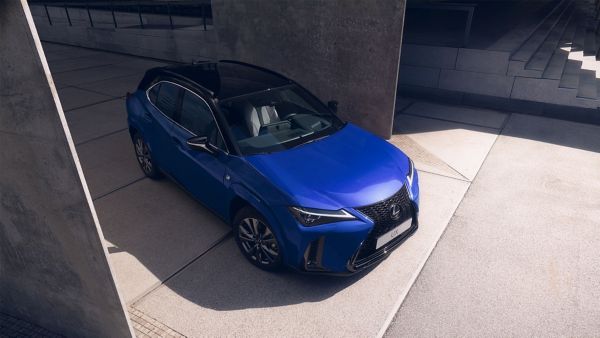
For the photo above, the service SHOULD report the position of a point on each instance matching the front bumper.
(339, 248)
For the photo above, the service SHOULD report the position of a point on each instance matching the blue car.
(300, 187)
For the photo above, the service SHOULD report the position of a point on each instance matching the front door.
(200, 172)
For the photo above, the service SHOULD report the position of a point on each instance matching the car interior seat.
(256, 119)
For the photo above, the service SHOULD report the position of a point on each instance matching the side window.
(216, 139)
(153, 93)
(196, 115)
(166, 101)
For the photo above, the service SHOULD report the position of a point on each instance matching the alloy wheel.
(143, 155)
(258, 241)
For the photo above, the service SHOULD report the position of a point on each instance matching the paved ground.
(11, 327)
(520, 256)
(176, 264)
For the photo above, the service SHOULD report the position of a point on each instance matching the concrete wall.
(343, 50)
(53, 265)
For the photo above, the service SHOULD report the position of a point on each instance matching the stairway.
(564, 47)
(548, 64)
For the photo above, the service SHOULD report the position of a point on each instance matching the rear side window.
(153, 93)
(167, 98)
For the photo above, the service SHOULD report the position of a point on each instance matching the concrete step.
(557, 63)
(541, 58)
(587, 84)
(570, 76)
(589, 43)
(532, 44)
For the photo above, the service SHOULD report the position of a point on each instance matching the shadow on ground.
(418, 117)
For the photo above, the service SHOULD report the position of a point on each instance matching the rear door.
(166, 99)
(202, 173)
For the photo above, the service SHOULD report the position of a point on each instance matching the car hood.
(349, 168)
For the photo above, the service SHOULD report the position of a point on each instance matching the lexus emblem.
(395, 210)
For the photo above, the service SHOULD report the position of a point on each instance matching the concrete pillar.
(343, 50)
(53, 265)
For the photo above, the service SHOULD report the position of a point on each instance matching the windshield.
(277, 119)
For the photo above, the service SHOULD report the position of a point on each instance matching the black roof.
(227, 79)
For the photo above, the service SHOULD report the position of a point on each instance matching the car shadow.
(223, 280)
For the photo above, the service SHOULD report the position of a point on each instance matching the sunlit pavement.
(176, 262)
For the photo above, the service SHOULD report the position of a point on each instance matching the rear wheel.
(144, 157)
(256, 239)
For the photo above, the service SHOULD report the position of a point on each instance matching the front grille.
(381, 214)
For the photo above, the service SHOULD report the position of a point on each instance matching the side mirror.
(333, 105)
(200, 143)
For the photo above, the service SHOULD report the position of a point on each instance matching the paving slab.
(153, 228)
(71, 53)
(520, 257)
(419, 76)
(141, 63)
(72, 98)
(115, 87)
(476, 83)
(477, 116)
(222, 292)
(97, 120)
(54, 47)
(403, 102)
(109, 163)
(89, 75)
(79, 63)
(424, 160)
(463, 147)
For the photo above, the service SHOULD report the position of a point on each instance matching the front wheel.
(256, 240)
(144, 157)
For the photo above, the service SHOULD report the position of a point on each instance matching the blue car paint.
(350, 168)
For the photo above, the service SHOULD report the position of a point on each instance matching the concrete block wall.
(456, 69)
(54, 269)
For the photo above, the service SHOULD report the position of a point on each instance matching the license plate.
(397, 231)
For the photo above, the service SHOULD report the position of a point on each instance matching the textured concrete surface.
(463, 147)
(317, 44)
(148, 327)
(54, 270)
(109, 163)
(97, 120)
(16, 327)
(519, 257)
(73, 98)
(154, 229)
(467, 115)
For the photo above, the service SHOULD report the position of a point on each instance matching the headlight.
(311, 217)
(411, 172)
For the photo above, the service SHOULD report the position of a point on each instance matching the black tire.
(144, 157)
(256, 240)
